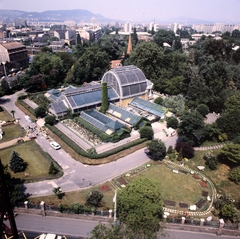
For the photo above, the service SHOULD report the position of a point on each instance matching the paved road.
(77, 175)
(82, 228)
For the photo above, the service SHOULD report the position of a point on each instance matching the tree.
(50, 119)
(235, 175)
(53, 169)
(157, 149)
(16, 163)
(104, 105)
(187, 149)
(191, 128)
(93, 63)
(148, 57)
(231, 152)
(5, 87)
(139, 207)
(94, 198)
(172, 122)
(13, 112)
(40, 111)
(203, 109)
(164, 36)
(175, 104)
(102, 231)
(146, 132)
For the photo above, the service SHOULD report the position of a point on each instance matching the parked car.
(55, 145)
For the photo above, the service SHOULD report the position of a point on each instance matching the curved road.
(77, 175)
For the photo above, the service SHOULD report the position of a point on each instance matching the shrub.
(146, 132)
(53, 169)
(94, 198)
(210, 160)
(235, 175)
(170, 149)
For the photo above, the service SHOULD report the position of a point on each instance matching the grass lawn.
(219, 176)
(5, 116)
(38, 161)
(13, 131)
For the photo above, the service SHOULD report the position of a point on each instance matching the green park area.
(179, 191)
(220, 176)
(37, 160)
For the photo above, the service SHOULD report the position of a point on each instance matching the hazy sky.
(138, 10)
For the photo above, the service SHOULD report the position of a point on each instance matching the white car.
(55, 145)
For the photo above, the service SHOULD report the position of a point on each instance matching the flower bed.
(122, 181)
(196, 176)
(203, 184)
(104, 188)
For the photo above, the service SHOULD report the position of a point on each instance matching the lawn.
(219, 177)
(38, 161)
(5, 116)
(13, 131)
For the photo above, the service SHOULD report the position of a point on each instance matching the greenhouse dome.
(127, 81)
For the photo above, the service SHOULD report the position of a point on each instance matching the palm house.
(128, 82)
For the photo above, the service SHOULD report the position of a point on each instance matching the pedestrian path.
(217, 146)
(12, 142)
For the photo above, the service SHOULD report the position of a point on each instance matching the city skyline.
(128, 10)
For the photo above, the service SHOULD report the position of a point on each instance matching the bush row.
(82, 152)
(26, 106)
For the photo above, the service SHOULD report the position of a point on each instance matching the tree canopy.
(157, 149)
(139, 207)
(192, 128)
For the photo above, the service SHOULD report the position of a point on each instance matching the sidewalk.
(12, 142)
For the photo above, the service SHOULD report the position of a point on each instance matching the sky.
(138, 10)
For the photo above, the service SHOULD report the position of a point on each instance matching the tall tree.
(95, 62)
(191, 128)
(104, 105)
(164, 36)
(139, 207)
(147, 56)
(16, 163)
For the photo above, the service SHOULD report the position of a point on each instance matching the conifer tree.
(16, 163)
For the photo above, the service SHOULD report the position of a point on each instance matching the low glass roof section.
(149, 106)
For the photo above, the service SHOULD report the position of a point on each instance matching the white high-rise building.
(128, 27)
(175, 27)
